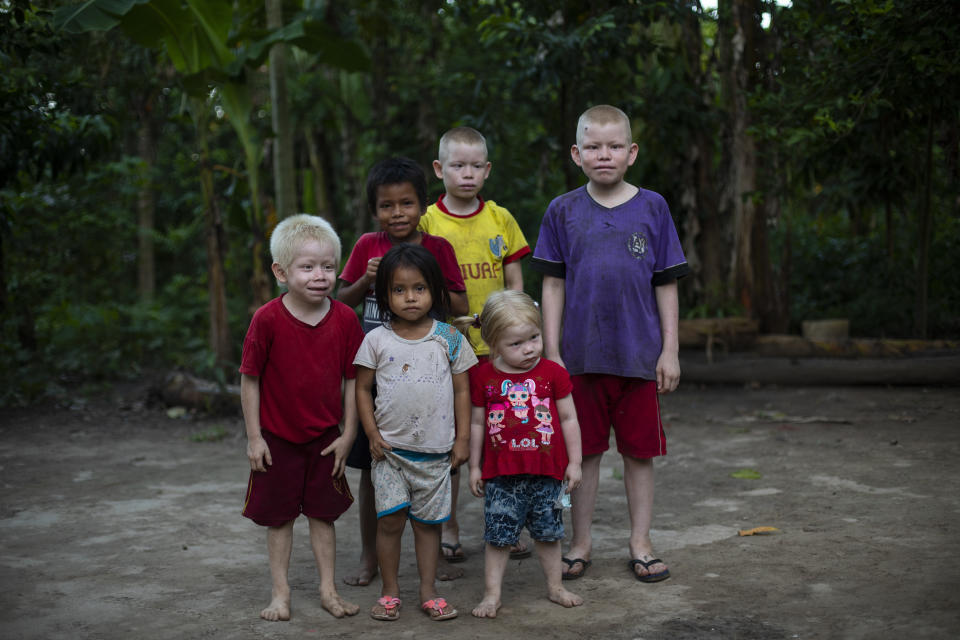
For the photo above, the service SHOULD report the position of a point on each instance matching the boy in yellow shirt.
(489, 245)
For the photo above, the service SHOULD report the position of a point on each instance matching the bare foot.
(447, 572)
(487, 608)
(278, 609)
(362, 577)
(564, 598)
(337, 606)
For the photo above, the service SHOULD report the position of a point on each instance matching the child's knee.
(425, 528)
(286, 527)
(320, 523)
(391, 524)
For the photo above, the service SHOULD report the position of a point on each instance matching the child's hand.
(460, 453)
(476, 482)
(372, 265)
(573, 476)
(340, 448)
(258, 453)
(377, 446)
(668, 372)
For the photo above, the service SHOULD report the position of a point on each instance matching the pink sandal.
(391, 609)
(438, 609)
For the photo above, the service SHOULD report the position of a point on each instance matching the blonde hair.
(292, 232)
(599, 115)
(503, 309)
(463, 135)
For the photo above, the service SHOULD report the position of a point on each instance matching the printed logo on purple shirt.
(637, 245)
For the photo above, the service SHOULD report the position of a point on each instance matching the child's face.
(410, 299)
(520, 346)
(605, 153)
(464, 171)
(312, 273)
(398, 211)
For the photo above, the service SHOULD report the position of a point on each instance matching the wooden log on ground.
(726, 334)
(791, 346)
(184, 390)
(742, 368)
(737, 331)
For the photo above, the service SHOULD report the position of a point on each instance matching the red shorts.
(629, 405)
(298, 481)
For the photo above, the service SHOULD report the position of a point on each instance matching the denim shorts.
(512, 502)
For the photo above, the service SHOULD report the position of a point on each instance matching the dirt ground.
(118, 521)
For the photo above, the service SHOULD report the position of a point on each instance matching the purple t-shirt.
(611, 260)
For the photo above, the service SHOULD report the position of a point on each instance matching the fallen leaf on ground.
(746, 474)
(757, 531)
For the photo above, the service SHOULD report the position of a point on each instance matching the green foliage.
(836, 274)
(846, 95)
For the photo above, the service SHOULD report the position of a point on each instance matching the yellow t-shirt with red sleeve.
(484, 241)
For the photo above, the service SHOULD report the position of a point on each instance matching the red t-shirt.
(300, 367)
(521, 431)
(374, 245)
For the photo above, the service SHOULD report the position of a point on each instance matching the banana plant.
(199, 38)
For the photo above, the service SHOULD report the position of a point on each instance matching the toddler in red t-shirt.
(524, 445)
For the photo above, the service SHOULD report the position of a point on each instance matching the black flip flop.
(454, 557)
(650, 577)
(570, 562)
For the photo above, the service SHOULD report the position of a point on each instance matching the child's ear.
(438, 169)
(278, 272)
(575, 154)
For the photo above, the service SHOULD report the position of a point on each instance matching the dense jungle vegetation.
(809, 153)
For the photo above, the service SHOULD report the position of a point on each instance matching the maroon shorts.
(629, 405)
(298, 481)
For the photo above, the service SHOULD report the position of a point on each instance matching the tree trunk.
(220, 342)
(146, 207)
(284, 176)
(317, 174)
(926, 226)
(704, 244)
(736, 36)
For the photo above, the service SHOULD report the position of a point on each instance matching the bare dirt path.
(116, 523)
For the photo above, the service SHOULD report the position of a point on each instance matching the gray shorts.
(419, 482)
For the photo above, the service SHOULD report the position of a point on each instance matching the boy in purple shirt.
(611, 258)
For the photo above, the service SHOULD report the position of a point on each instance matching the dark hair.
(416, 257)
(396, 171)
